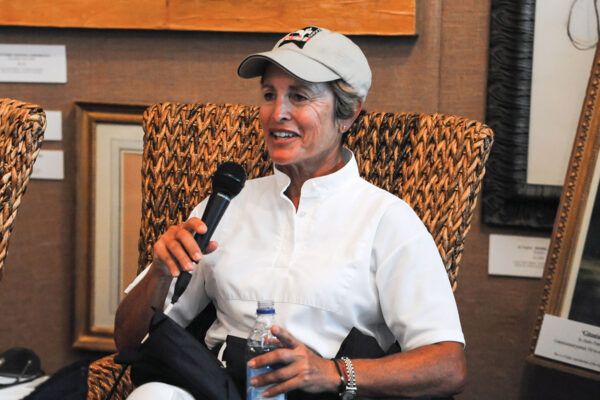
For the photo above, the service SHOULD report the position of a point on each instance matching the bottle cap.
(265, 307)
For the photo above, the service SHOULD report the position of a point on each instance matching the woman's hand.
(303, 369)
(178, 248)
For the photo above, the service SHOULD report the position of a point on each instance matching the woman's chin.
(282, 158)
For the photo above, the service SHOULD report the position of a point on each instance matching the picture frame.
(371, 17)
(507, 199)
(572, 234)
(108, 214)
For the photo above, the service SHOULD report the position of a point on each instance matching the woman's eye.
(268, 96)
(299, 97)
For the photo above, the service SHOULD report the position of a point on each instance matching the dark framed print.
(507, 199)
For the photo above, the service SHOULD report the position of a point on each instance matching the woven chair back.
(434, 162)
(22, 128)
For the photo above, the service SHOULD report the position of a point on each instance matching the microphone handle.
(215, 208)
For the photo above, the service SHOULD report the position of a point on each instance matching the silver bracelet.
(350, 391)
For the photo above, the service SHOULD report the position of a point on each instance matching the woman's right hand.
(178, 248)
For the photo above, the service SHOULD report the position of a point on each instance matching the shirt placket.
(288, 233)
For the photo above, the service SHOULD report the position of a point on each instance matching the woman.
(333, 251)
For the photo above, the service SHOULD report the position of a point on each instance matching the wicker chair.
(434, 162)
(22, 128)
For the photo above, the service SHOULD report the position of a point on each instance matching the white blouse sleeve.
(415, 293)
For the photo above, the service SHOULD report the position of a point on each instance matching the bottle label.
(256, 393)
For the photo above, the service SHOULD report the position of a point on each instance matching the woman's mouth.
(282, 134)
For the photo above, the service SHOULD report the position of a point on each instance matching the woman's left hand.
(302, 369)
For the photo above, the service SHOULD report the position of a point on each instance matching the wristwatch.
(349, 392)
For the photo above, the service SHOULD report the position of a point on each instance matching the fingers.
(285, 337)
(302, 369)
(177, 250)
(162, 260)
(212, 246)
(309, 373)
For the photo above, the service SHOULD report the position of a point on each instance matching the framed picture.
(507, 199)
(367, 17)
(109, 149)
(572, 272)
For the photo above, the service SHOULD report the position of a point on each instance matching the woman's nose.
(281, 111)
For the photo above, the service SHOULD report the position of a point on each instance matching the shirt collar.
(326, 183)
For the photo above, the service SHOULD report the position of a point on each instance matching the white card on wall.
(49, 165)
(517, 255)
(32, 63)
(569, 341)
(53, 125)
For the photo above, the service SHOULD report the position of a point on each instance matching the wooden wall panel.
(140, 14)
(373, 17)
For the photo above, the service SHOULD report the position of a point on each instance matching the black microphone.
(228, 181)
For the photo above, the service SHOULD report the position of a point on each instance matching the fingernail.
(253, 381)
(189, 266)
(197, 256)
(251, 364)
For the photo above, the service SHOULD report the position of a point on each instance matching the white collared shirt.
(352, 255)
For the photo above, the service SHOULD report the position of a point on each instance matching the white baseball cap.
(314, 54)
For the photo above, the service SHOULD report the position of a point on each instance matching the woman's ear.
(344, 124)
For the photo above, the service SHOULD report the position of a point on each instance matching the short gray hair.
(345, 102)
(345, 99)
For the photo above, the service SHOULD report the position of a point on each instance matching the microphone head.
(229, 179)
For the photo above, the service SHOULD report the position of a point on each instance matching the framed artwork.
(572, 272)
(109, 149)
(367, 17)
(507, 199)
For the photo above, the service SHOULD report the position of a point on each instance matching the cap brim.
(296, 64)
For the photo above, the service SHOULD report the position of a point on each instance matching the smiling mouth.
(283, 135)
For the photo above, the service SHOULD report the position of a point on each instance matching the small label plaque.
(49, 165)
(517, 255)
(33, 63)
(53, 125)
(570, 342)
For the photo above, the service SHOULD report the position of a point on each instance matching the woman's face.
(297, 118)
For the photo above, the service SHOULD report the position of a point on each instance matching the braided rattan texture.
(434, 162)
(102, 374)
(22, 128)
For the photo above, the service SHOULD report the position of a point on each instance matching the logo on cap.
(301, 36)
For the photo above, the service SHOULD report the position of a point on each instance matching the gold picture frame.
(573, 231)
(109, 151)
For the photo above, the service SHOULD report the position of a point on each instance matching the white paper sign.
(53, 125)
(33, 63)
(517, 255)
(49, 165)
(569, 341)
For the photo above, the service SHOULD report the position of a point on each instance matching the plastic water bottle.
(261, 341)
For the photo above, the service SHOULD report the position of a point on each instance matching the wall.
(441, 70)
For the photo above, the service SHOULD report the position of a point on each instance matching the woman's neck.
(299, 174)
